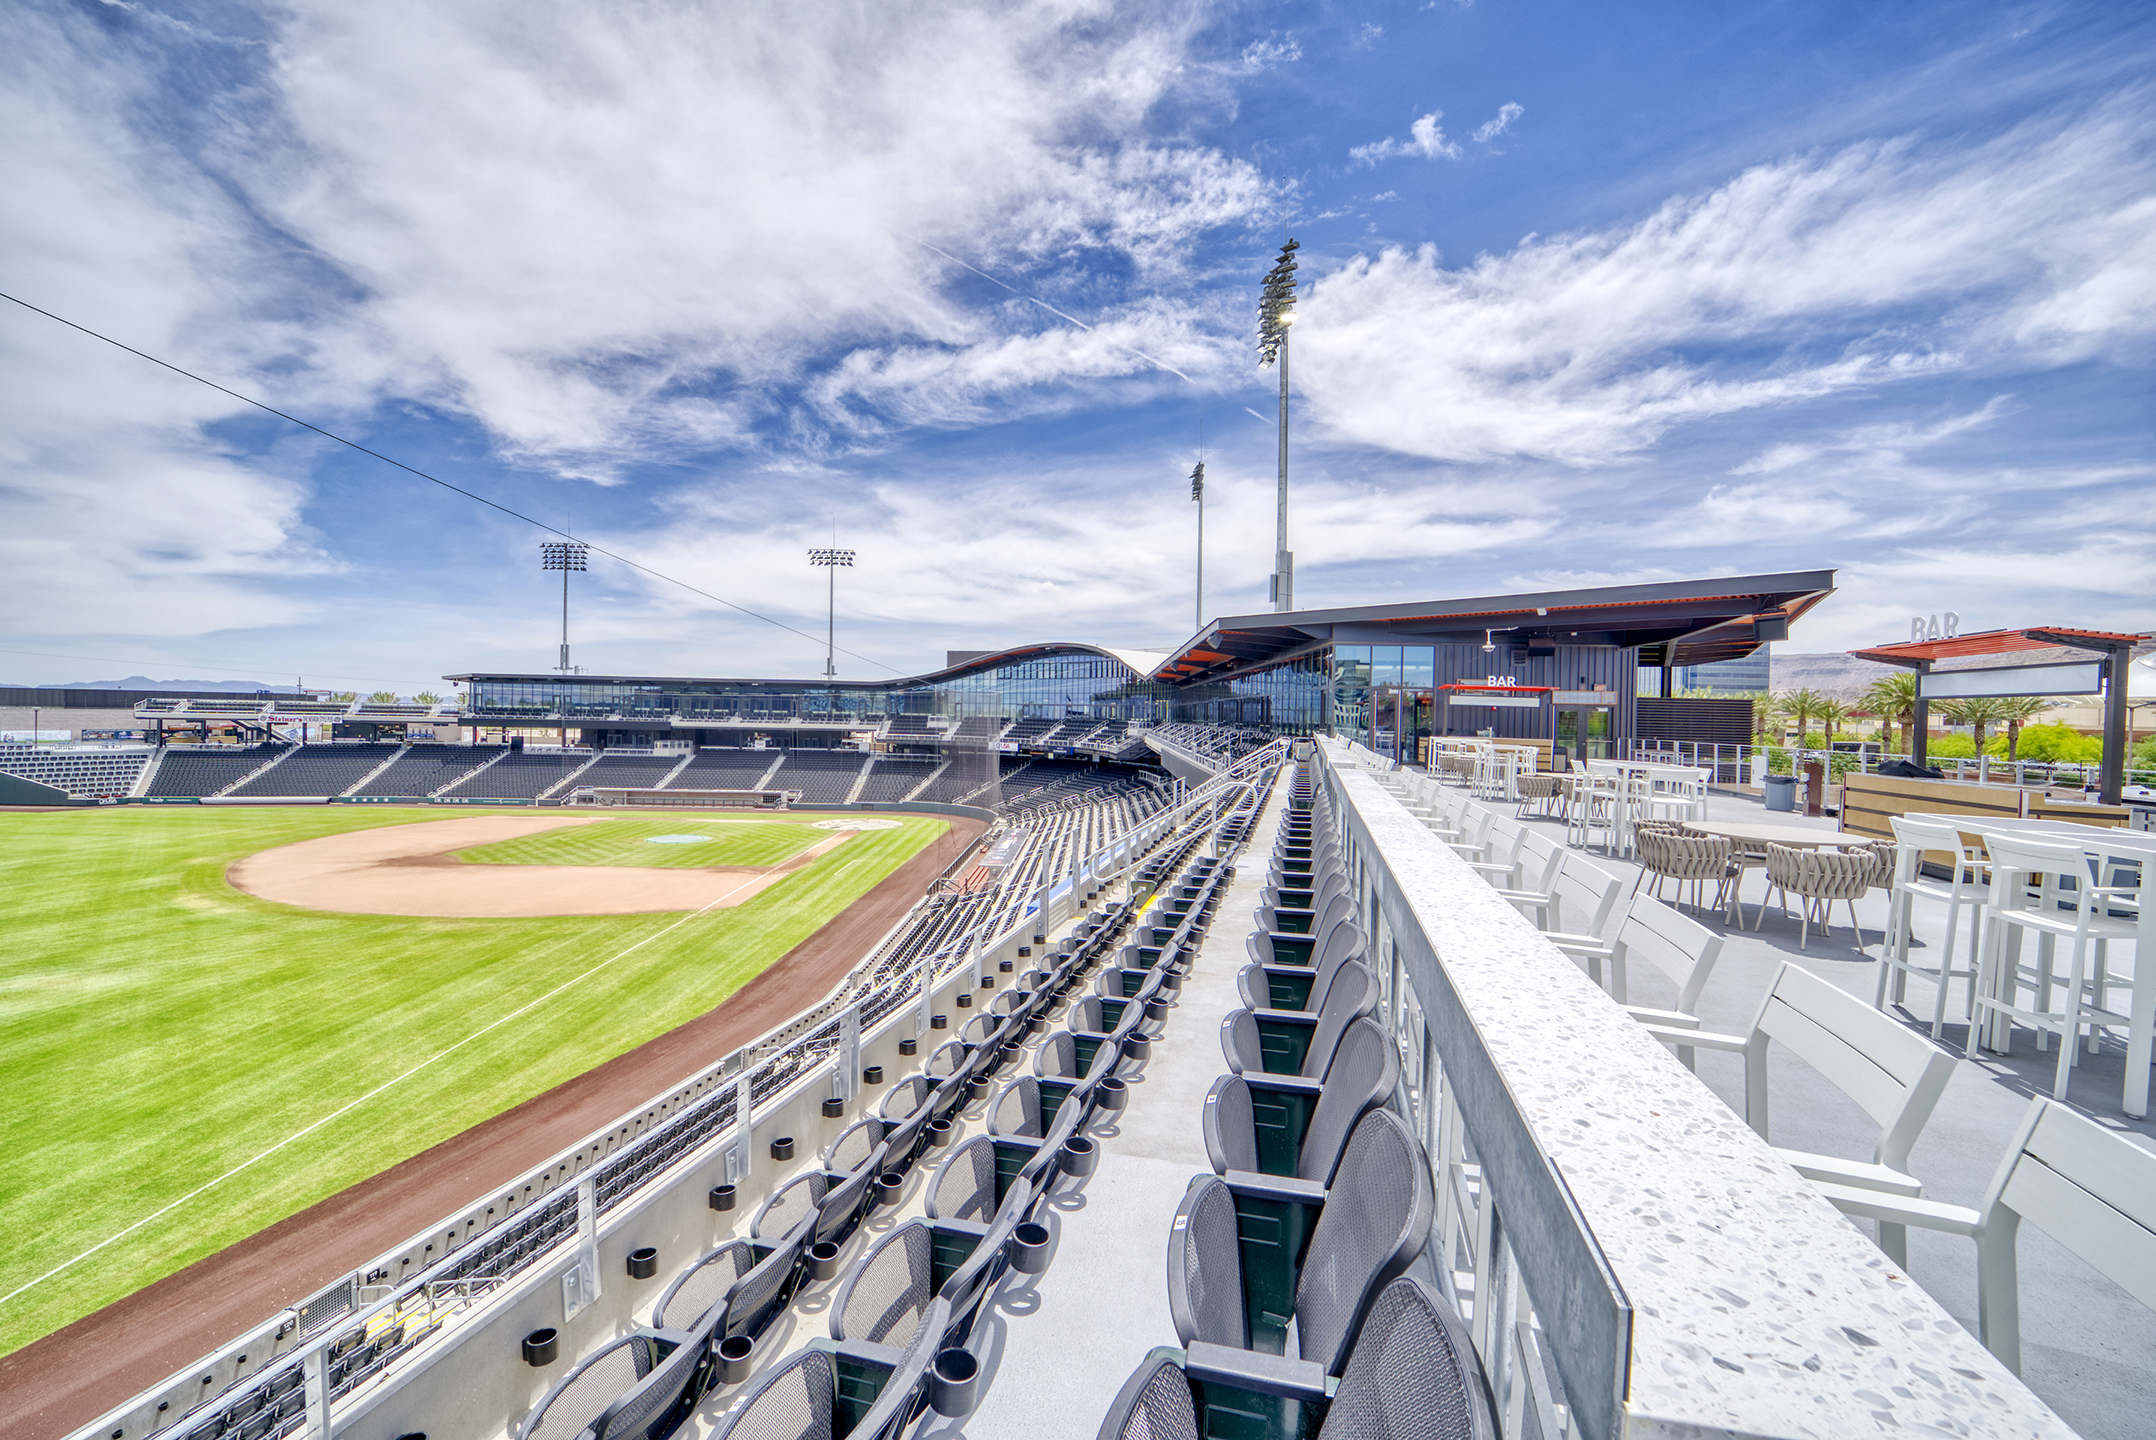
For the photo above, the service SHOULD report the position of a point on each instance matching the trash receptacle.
(1781, 792)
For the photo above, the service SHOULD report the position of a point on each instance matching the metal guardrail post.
(316, 1369)
(738, 1158)
(849, 1052)
(580, 1287)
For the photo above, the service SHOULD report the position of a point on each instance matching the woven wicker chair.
(1820, 877)
(1543, 791)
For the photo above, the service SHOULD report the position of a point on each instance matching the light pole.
(831, 560)
(1276, 312)
(1197, 493)
(565, 556)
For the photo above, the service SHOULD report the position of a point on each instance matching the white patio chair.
(1532, 889)
(1679, 947)
(1895, 1074)
(2025, 898)
(1498, 858)
(1916, 841)
(2092, 1191)
(1584, 915)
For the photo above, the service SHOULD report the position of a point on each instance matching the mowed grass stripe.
(158, 1027)
(635, 842)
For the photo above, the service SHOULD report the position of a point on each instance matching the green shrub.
(2053, 743)
(1952, 747)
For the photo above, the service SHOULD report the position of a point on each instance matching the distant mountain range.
(1833, 674)
(144, 682)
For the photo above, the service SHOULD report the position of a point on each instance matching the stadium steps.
(764, 781)
(149, 773)
(563, 785)
(394, 756)
(668, 778)
(475, 770)
(859, 781)
(932, 776)
(272, 763)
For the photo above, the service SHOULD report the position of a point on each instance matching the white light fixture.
(1489, 647)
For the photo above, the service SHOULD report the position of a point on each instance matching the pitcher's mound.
(405, 870)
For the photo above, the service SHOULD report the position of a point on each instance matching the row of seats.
(899, 1320)
(1288, 1270)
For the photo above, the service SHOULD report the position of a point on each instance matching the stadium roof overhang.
(1922, 654)
(1139, 662)
(1685, 622)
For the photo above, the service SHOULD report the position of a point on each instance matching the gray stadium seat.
(632, 1389)
(1282, 1125)
(1297, 1042)
(1371, 1222)
(731, 1289)
(799, 1400)
(1414, 1375)
(1266, 986)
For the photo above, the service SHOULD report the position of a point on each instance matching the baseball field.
(211, 1018)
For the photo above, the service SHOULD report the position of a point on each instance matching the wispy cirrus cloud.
(1425, 137)
(1807, 277)
(1498, 124)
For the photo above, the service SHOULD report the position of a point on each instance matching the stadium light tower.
(1276, 312)
(831, 560)
(565, 556)
(1197, 493)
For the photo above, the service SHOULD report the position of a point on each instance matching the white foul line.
(298, 1134)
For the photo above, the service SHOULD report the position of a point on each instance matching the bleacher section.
(825, 776)
(978, 727)
(1028, 732)
(205, 772)
(84, 771)
(424, 769)
(634, 772)
(909, 725)
(519, 776)
(895, 777)
(951, 785)
(723, 769)
(318, 770)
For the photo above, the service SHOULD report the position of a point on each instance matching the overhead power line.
(430, 479)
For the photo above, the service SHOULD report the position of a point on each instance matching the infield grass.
(649, 844)
(158, 1027)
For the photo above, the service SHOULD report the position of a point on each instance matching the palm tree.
(2019, 712)
(426, 697)
(1893, 699)
(344, 697)
(1762, 712)
(1980, 714)
(382, 697)
(1799, 706)
(1832, 712)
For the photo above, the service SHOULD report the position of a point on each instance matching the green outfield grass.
(158, 1027)
(642, 843)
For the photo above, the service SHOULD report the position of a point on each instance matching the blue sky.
(1591, 294)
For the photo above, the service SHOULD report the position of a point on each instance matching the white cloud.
(1489, 130)
(1425, 138)
(1273, 50)
(609, 232)
(1368, 35)
(1855, 270)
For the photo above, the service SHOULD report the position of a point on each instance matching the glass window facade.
(1290, 698)
(1057, 686)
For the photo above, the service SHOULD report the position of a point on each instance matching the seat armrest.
(1579, 944)
(1902, 1210)
(1672, 1019)
(1298, 1017)
(1859, 1174)
(1284, 1188)
(1282, 1084)
(861, 1352)
(1700, 1039)
(1255, 1371)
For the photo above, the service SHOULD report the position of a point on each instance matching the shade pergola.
(2115, 649)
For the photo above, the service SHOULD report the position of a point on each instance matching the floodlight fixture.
(1197, 494)
(831, 559)
(1489, 646)
(1276, 313)
(565, 556)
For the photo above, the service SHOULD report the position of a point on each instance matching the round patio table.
(1762, 833)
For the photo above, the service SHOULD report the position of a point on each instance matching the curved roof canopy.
(1139, 662)
(1687, 622)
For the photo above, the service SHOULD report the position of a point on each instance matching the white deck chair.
(1894, 1073)
(1965, 887)
(2091, 1190)
(1678, 946)
(1583, 917)
(1533, 887)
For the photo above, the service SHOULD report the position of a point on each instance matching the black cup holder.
(734, 1359)
(1004, 966)
(783, 1148)
(953, 1383)
(833, 1107)
(1080, 1156)
(1137, 1047)
(643, 1263)
(823, 1260)
(978, 1088)
(890, 1187)
(541, 1347)
(1156, 1009)
(1037, 1026)
(1112, 1093)
(940, 1133)
(965, 1000)
(723, 1197)
(1028, 1248)
(872, 1075)
(909, 1046)
(939, 1022)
